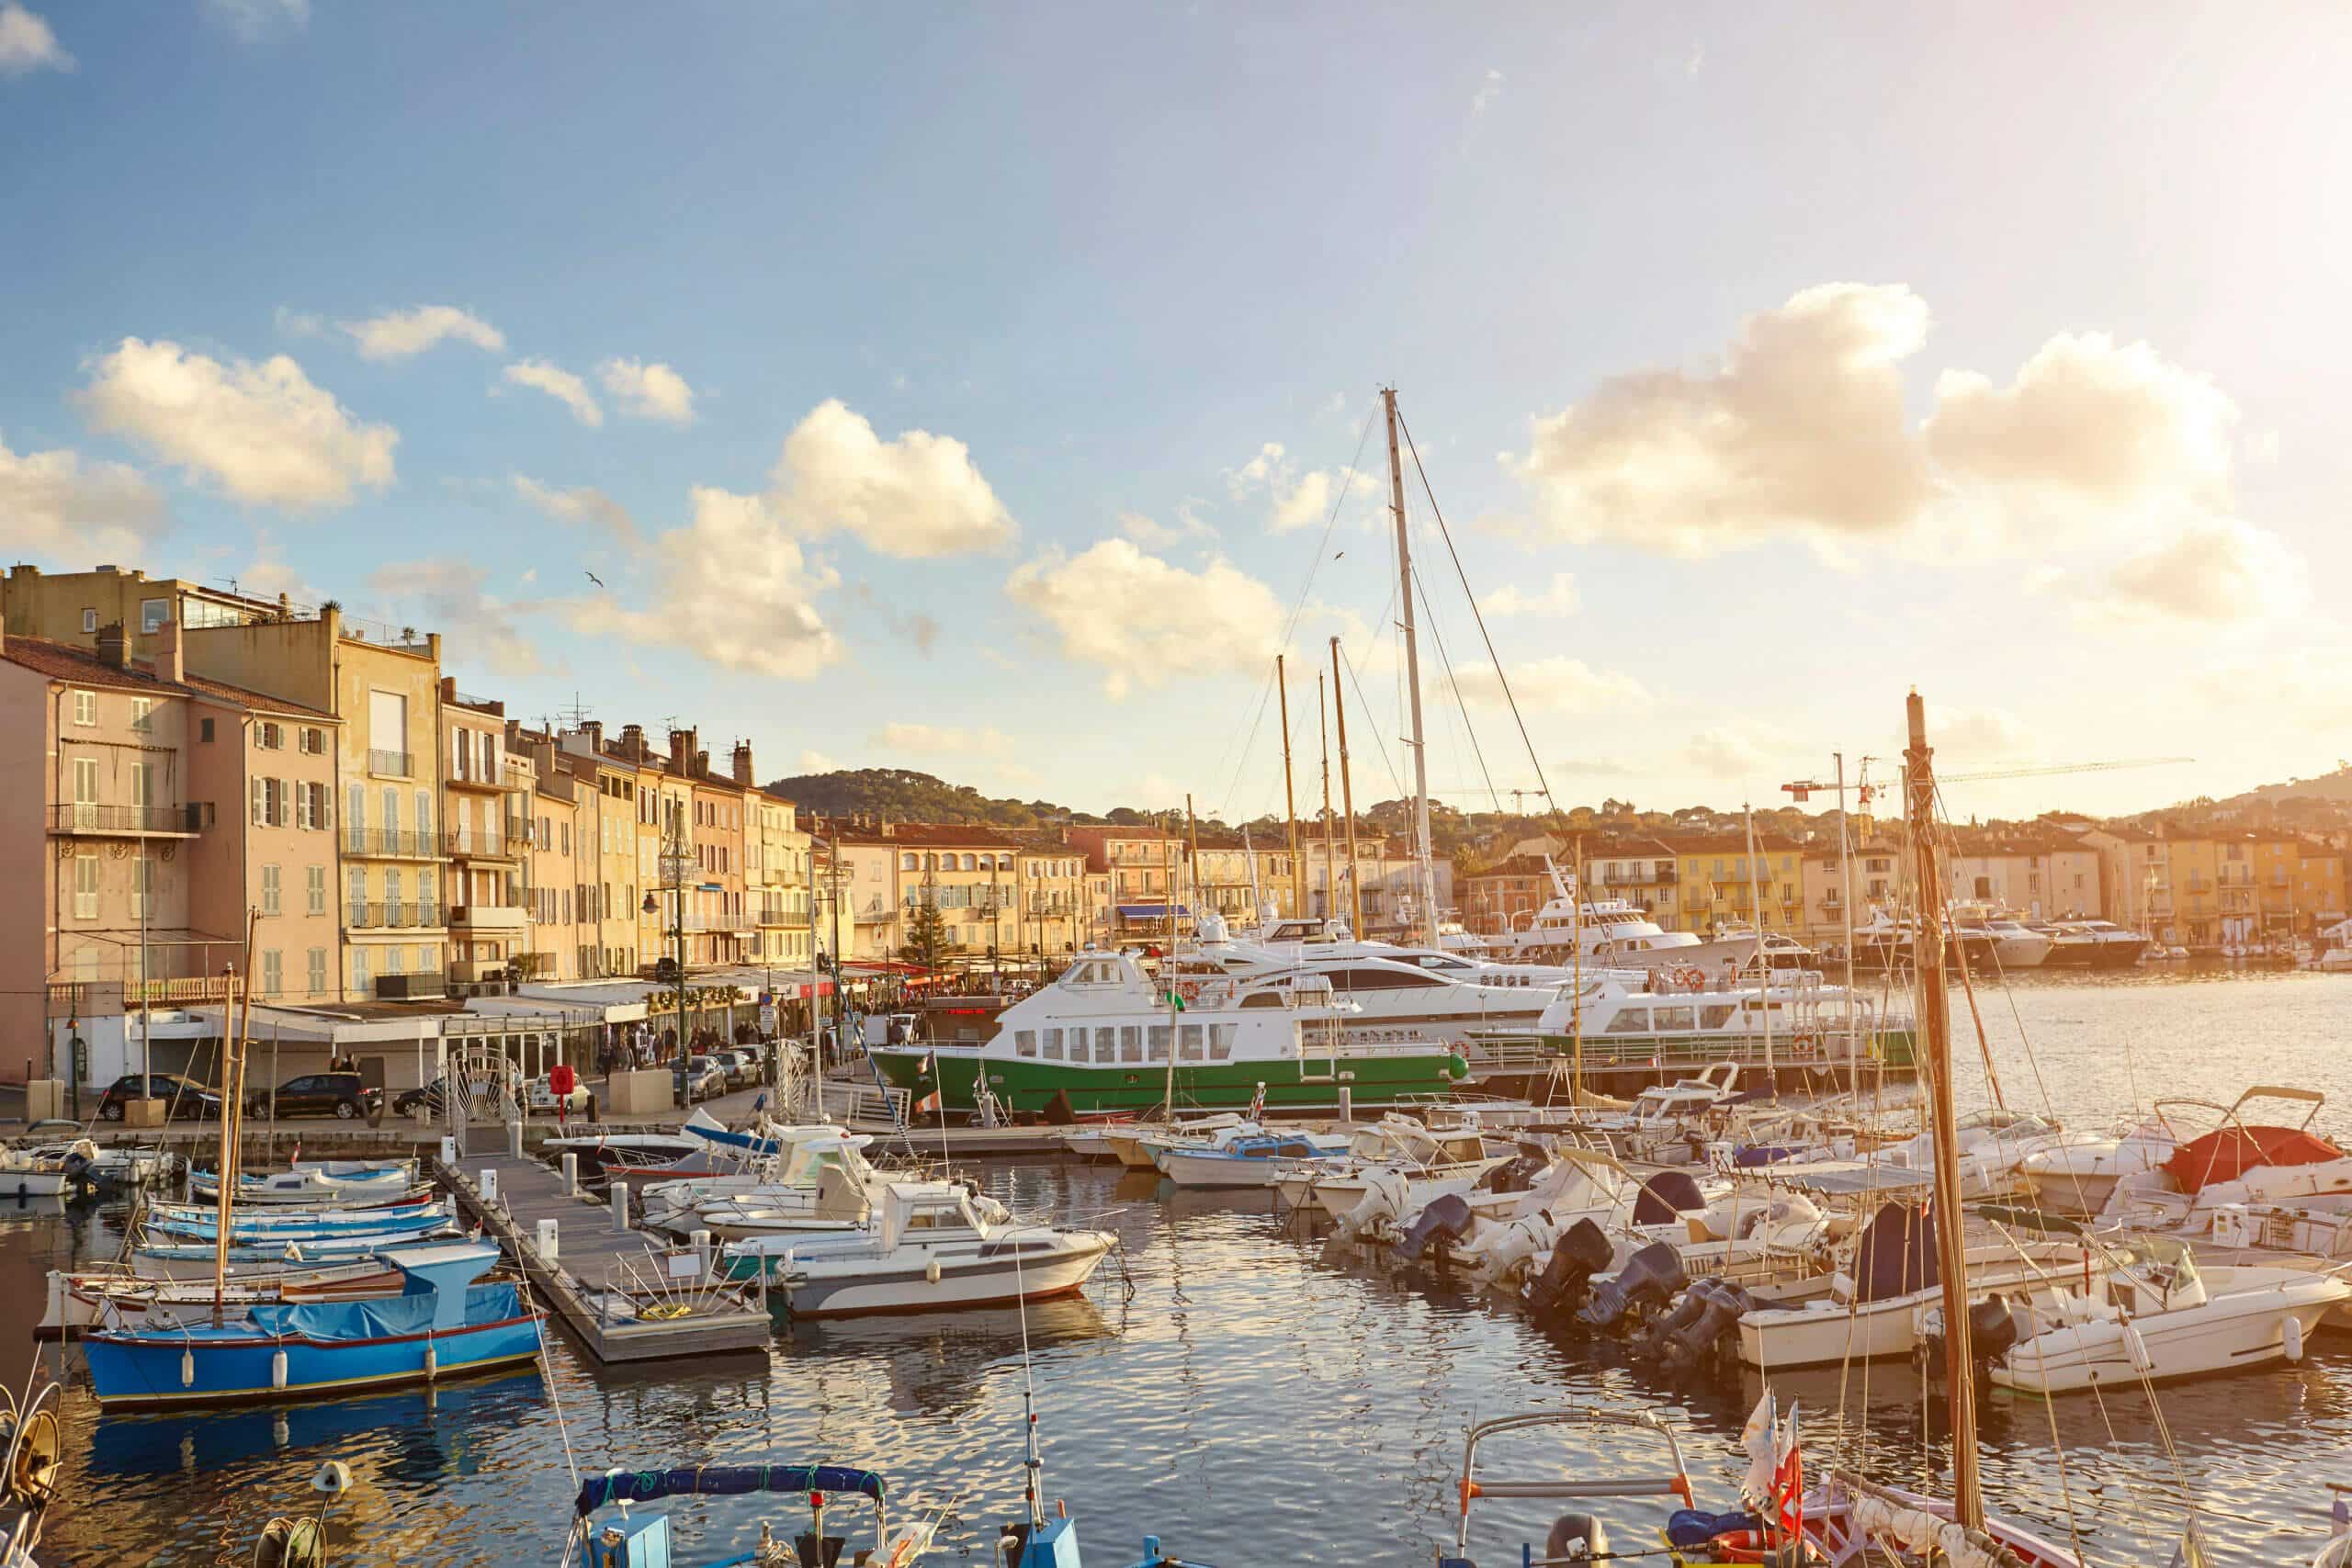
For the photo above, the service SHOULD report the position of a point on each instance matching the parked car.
(191, 1101)
(740, 1068)
(698, 1078)
(340, 1095)
(431, 1095)
(540, 1096)
(665, 971)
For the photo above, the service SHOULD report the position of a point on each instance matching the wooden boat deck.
(592, 1256)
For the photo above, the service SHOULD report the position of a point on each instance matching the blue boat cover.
(721, 1481)
(376, 1317)
(1687, 1527)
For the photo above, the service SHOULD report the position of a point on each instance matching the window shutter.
(259, 804)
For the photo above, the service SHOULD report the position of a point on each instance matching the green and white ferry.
(1102, 1033)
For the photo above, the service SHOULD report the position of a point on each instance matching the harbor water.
(1246, 1390)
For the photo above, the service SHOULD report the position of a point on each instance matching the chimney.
(743, 764)
(593, 729)
(633, 743)
(681, 752)
(171, 652)
(113, 648)
(448, 688)
(702, 764)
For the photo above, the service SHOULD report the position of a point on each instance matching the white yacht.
(2016, 946)
(2092, 945)
(1614, 934)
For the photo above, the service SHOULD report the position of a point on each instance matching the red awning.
(2224, 1155)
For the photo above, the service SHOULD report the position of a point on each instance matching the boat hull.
(145, 1370)
(824, 1292)
(2227, 1333)
(1022, 1083)
(1826, 1333)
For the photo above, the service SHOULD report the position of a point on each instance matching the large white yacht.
(1613, 933)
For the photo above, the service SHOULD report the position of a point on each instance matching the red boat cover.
(2222, 1155)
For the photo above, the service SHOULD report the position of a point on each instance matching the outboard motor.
(1574, 1536)
(1517, 1174)
(1992, 1332)
(1650, 1278)
(1446, 1220)
(1702, 1325)
(1382, 1206)
(1566, 1281)
(1502, 1252)
(1666, 1197)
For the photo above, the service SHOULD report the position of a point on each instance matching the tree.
(926, 927)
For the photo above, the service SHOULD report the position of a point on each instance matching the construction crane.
(2065, 767)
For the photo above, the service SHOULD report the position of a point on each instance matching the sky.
(993, 390)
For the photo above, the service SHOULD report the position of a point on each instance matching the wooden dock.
(628, 1296)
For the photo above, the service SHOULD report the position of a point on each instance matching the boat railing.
(1497, 1051)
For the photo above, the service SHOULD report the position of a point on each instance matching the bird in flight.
(594, 578)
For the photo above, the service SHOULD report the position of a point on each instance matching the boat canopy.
(720, 1480)
(2224, 1153)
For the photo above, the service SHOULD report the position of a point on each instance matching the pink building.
(144, 812)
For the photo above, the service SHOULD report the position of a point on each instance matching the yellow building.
(1050, 917)
(2319, 886)
(607, 814)
(1716, 888)
(485, 831)
(777, 868)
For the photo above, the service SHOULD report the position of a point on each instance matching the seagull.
(594, 578)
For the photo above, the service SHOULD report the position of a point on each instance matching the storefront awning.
(1151, 912)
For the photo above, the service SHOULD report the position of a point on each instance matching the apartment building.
(486, 832)
(1050, 917)
(606, 813)
(866, 886)
(555, 859)
(1387, 884)
(1719, 887)
(777, 868)
(1144, 872)
(1237, 877)
(2041, 876)
(1505, 895)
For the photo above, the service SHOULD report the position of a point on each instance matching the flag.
(930, 1065)
(1258, 1102)
(1756, 1439)
(929, 1102)
(1788, 1480)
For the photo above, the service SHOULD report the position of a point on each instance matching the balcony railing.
(500, 916)
(392, 764)
(518, 832)
(401, 843)
(86, 817)
(392, 916)
(479, 846)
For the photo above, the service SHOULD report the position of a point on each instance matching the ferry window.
(1158, 1042)
(1220, 1041)
(1106, 1045)
(1629, 1021)
(1263, 999)
(1673, 1017)
(1714, 1015)
(1130, 1043)
(1189, 1042)
(1024, 1041)
(1053, 1045)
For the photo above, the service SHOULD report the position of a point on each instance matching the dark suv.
(340, 1095)
(191, 1101)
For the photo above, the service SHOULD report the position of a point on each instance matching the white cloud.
(400, 334)
(560, 384)
(57, 508)
(649, 391)
(1299, 501)
(268, 575)
(1152, 535)
(251, 19)
(733, 587)
(1558, 598)
(1802, 431)
(264, 433)
(2214, 569)
(450, 596)
(291, 323)
(26, 44)
(1488, 91)
(1558, 684)
(916, 495)
(1144, 621)
(934, 741)
(1975, 736)
(818, 763)
(580, 504)
(1740, 750)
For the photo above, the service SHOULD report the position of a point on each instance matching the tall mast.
(1290, 797)
(1763, 970)
(1330, 864)
(1412, 676)
(1347, 798)
(1935, 1013)
(1846, 908)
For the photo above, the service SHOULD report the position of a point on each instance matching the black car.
(340, 1095)
(191, 1101)
(431, 1096)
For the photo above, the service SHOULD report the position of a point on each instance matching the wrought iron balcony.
(170, 821)
(392, 764)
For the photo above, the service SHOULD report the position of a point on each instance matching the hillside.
(903, 796)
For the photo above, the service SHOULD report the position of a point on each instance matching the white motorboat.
(1994, 1144)
(121, 1298)
(1242, 1158)
(829, 1191)
(2012, 943)
(321, 1182)
(1136, 1145)
(785, 1178)
(32, 1173)
(1611, 933)
(1431, 1161)
(2159, 1315)
(2079, 1175)
(2094, 944)
(2237, 1164)
(932, 1244)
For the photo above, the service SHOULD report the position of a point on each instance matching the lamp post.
(674, 868)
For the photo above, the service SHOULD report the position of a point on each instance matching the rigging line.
(1347, 487)
(1357, 681)
(1446, 661)
(1265, 696)
(1447, 534)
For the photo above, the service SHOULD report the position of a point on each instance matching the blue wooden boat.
(643, 1539)
(442, 1324)
(411, 1220)
(183, 1255)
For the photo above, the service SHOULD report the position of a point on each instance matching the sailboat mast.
(1412, 677)
(1347, 799)
(1290, 797)
(1330, 874)
(1763, 970)
(1935, 1014)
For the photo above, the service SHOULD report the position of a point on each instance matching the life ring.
(1690, 979)
(1189, 989)
(1740, 1546)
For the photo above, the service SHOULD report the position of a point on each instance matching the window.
(153, 614)
(1158, 1039)
(1673, 1017)
(355, 890)
(204, 730)
(313, 742)
(424, 816)
(314, 897)
(89, 619)
(142, 713)
(85, 887)
(269, 737)
(391, 895)
(359, 971)
(272, 972)
(1024, 1041)
(143, 887)
(394, 958)
(318, 972)
(1629, 1021)
(1220, 1041)
(1130, 1043)
(86, 708)
(272, 895)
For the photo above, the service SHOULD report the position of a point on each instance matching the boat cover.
(377, 1317)
(721, 1481)
(1666, 1196)
(1896, 1254)
(2224, 1153)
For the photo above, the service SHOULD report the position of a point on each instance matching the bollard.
(570, 1174)
(547, 1239)
(449, 1151)
(700, 1242)
(620, 1205)
(1347, 1105)
(514, 1140)
(487, 1184)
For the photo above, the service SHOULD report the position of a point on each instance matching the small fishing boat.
(343, 1183)
(118, 1298)
(114, 1167)
(631, 1539)
(932, 1245)
(2160, 1315)
(1236, 1159)
(41, 1173)
(443, 1322)
(202, 1223)
(197, 1260)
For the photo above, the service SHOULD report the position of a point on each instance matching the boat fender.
(1565, 1283)
(1651, 1277)
(931, 1270)
(1447, 1219)
(187, 1369)
(2137, 1348)
(432, 1361)
(2290, 1337)
(1576, 1536)
(277, 1368)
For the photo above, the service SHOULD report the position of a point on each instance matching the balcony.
(390, 844)
(487, 917)
(463, 775)
(518, 832)
(466, 844)
(392, 764)
(416, 984)
(91, 821)
(392, 916)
